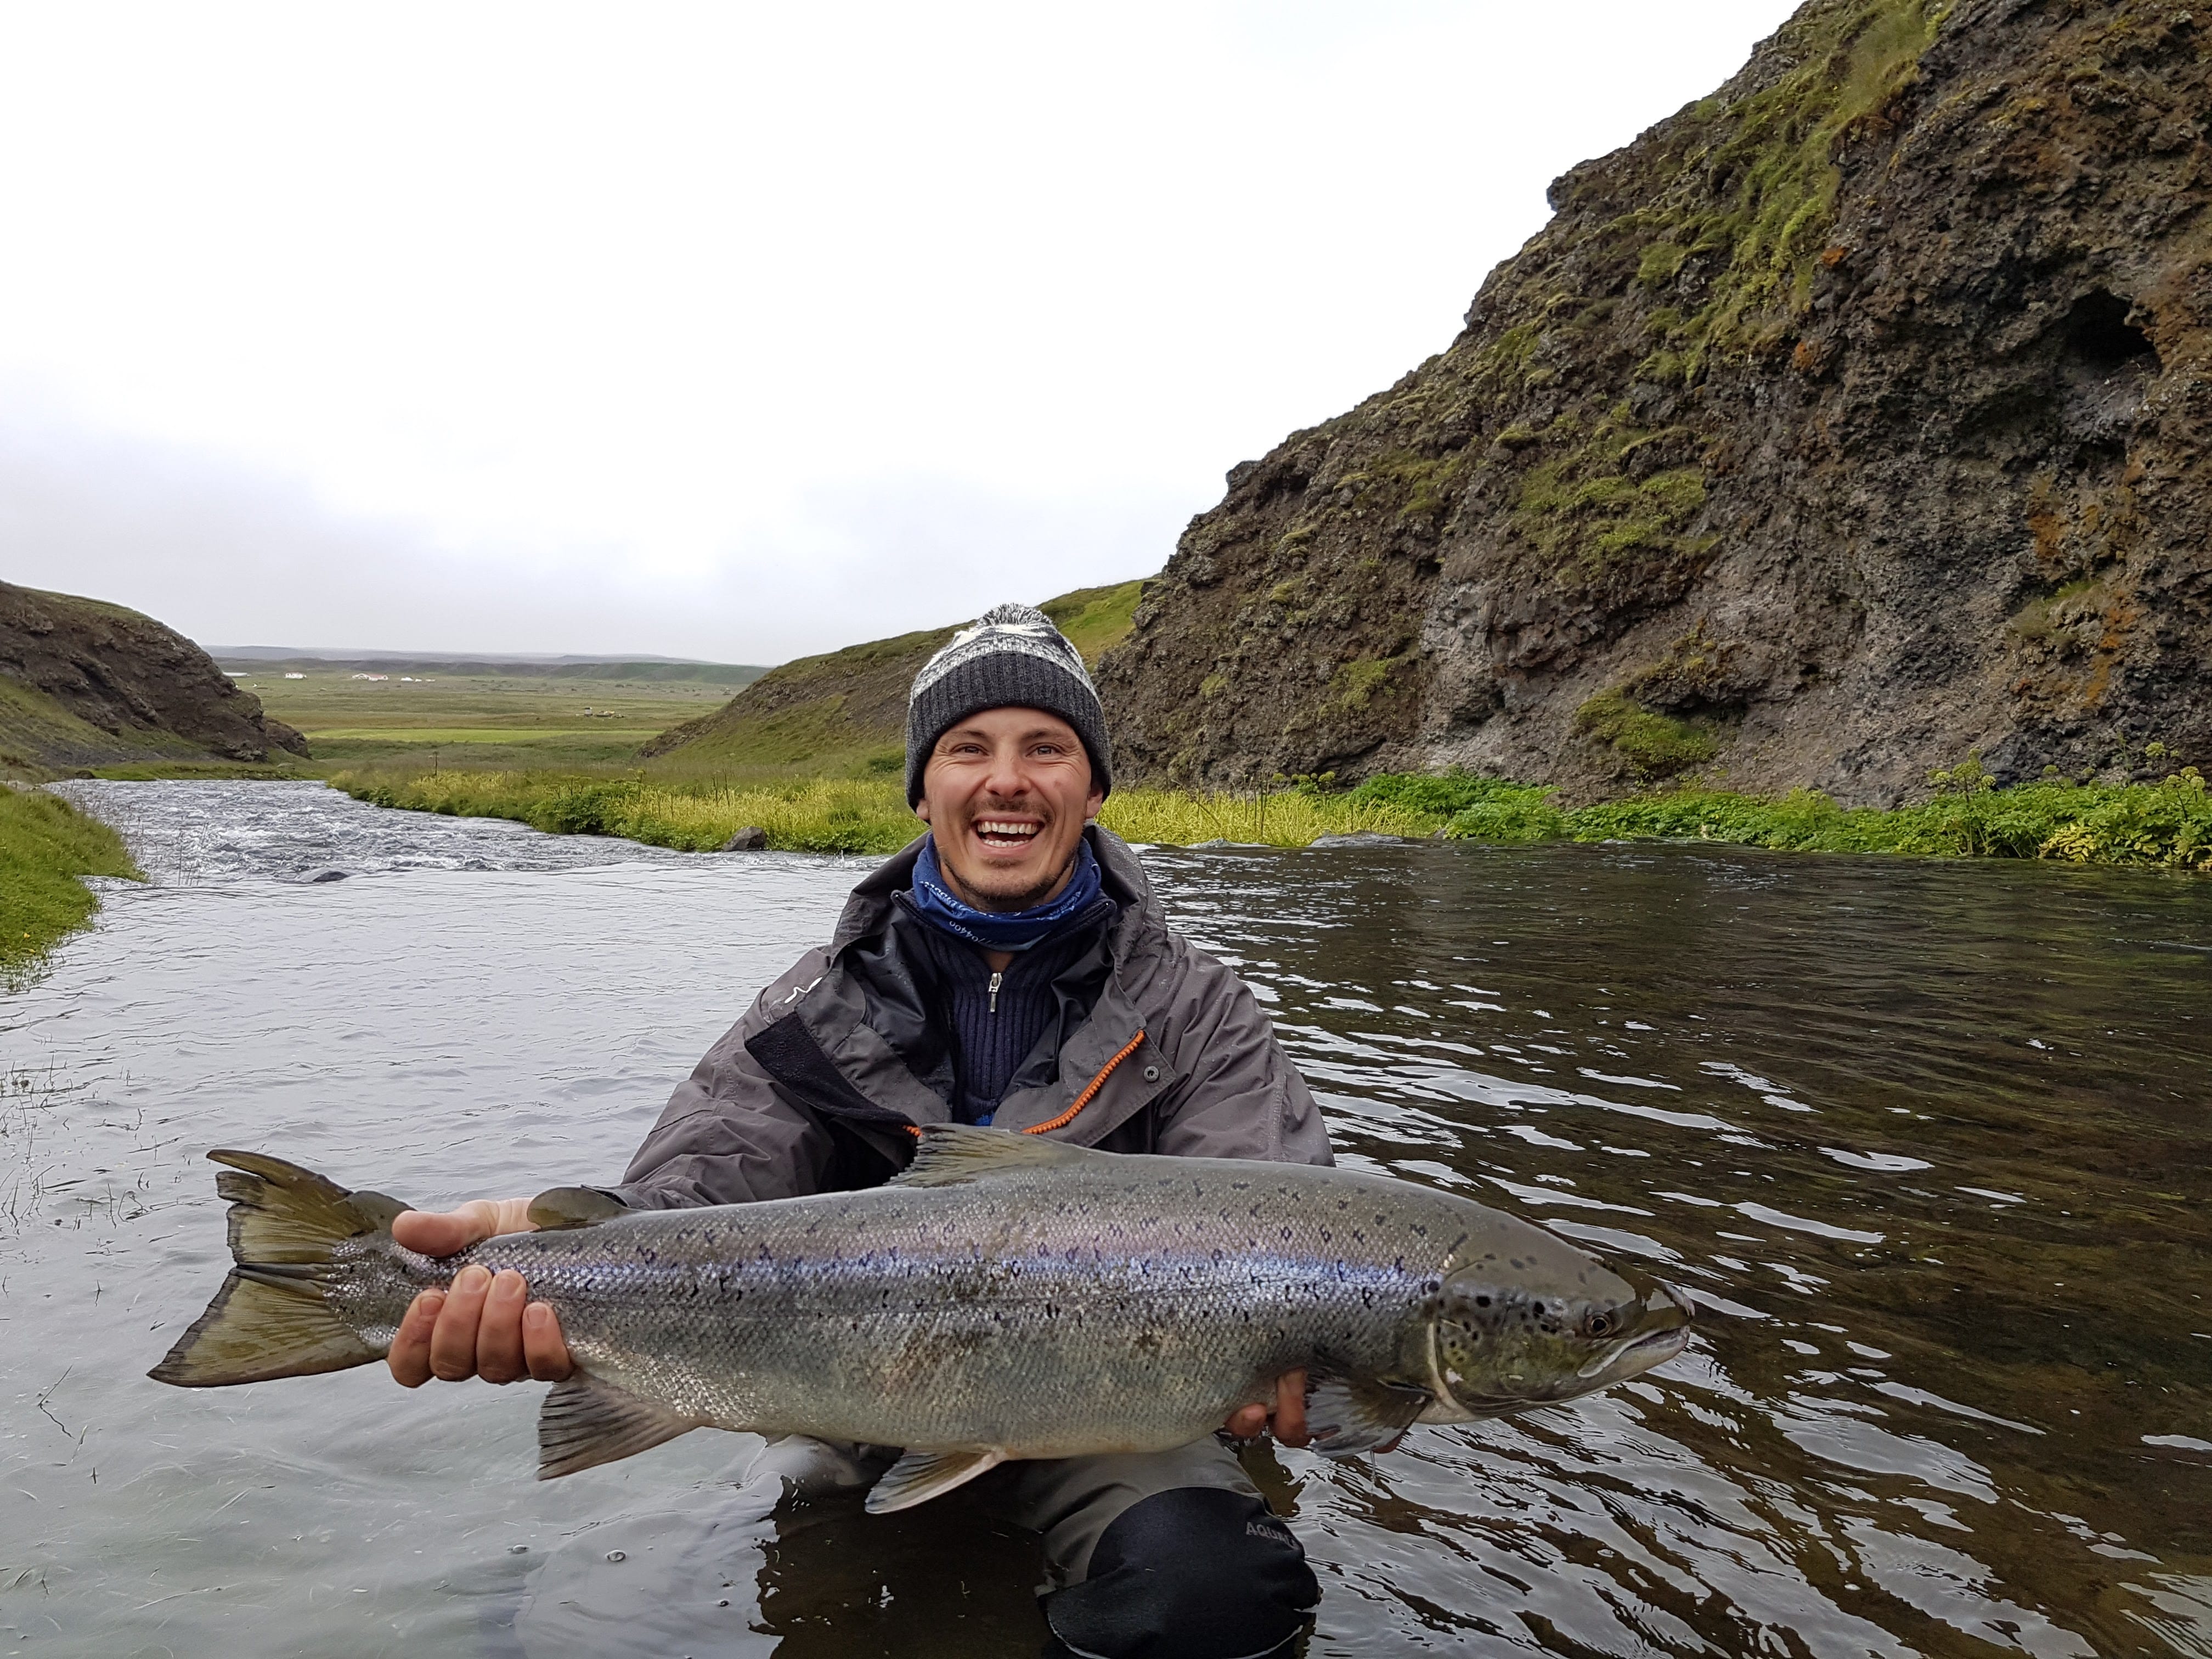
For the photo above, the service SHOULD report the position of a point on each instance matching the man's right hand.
(481, 1325)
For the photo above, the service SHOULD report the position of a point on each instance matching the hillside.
(87, 683)
(1850, 419)
(845, 712)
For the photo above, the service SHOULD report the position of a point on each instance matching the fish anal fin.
(950, 1154)
(585, 1422)
(921, 1475)
(1351, 1414)
(561, 1207)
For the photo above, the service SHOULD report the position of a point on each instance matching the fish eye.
(1600, 1323)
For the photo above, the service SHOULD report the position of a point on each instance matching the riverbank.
(832, 815)
(47, 847)
(2166, 823)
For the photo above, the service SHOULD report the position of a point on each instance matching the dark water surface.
(1928, 1143)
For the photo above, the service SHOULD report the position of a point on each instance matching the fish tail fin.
(269, 1319)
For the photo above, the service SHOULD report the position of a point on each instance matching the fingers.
(409, 1354)
(453, 1340)
(498, 1332)
(445, 1232)
(543, 1345)
(1290, 1409)
(1246, 1422)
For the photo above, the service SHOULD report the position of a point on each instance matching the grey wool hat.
(1012, 658)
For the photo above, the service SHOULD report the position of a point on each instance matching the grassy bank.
(843, 814)
(2167, 822)
(45, 845)
(2081, 822)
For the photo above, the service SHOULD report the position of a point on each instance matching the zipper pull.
(997, 980)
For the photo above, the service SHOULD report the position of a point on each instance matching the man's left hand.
(1287, 1420)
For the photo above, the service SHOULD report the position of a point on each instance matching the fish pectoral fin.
(950, 1154)
(573, 1207)
(921, 1475)
(585, 1422)
(1350, 1414)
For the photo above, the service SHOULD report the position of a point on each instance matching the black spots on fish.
(1519, 1266)
(1342, 1205)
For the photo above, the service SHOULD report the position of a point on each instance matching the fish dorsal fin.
(950, 1154)
(585, 1422)
(921, 1475)
(573, 1207)
(1349, 1414)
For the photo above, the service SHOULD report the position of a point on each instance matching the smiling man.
(1011, 968)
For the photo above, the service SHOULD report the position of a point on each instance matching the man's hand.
(1287, 1420)
(481, 1326)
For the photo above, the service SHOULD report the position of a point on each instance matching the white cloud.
(734, 330)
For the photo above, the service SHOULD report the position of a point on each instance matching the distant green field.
(491, 722)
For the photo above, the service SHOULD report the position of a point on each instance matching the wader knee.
(1195, 1572)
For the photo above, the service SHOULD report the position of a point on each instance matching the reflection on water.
(1927, 1143)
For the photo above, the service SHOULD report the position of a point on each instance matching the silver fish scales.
(1008, 1297)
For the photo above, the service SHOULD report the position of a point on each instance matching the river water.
(1929, 1144)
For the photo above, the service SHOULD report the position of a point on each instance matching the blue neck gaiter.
(996, 930)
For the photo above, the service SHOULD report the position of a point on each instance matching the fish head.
(1545, 1323)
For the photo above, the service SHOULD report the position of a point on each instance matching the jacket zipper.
(997, 980)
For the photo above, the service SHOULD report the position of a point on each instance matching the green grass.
(840, 815)
(2167, 823)
(842, 714)
(45, 845)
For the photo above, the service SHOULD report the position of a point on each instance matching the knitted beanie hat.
(1013, 657)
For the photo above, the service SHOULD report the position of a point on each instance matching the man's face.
(1006, 793)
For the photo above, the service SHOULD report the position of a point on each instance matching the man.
(1010, 968)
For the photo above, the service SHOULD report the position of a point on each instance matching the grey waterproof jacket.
(821, 1086)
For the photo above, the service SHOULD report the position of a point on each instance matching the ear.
(921, 809)
(1092, 803)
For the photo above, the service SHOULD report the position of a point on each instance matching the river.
(1928, 1143)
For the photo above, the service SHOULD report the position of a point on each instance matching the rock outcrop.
(1850, 420)
(88, 684)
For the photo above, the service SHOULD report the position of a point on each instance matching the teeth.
(999, 827)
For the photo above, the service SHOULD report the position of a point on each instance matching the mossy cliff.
(83, 683)
(1852, 418)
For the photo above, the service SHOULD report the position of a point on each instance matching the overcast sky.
(733, 331)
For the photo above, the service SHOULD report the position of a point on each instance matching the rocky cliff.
(1850, 420)
(87, 683)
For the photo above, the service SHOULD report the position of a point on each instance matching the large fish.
(1005, 1297)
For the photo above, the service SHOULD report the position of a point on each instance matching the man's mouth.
(1008, 835)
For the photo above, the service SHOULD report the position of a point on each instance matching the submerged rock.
(750, 839)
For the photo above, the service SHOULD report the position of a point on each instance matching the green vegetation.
(837, 814)
(513, 721)
(1756, 194)
(45, 845)
(1599, 501)
(843, 714)
(2164, 823)
(34, 729)
(1657, 745)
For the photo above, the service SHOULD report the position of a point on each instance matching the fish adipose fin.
(951, 1153)
(269, 1319)
(1347, 1414)
(561, 1207)
(585, 1422)
(921, 1475)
